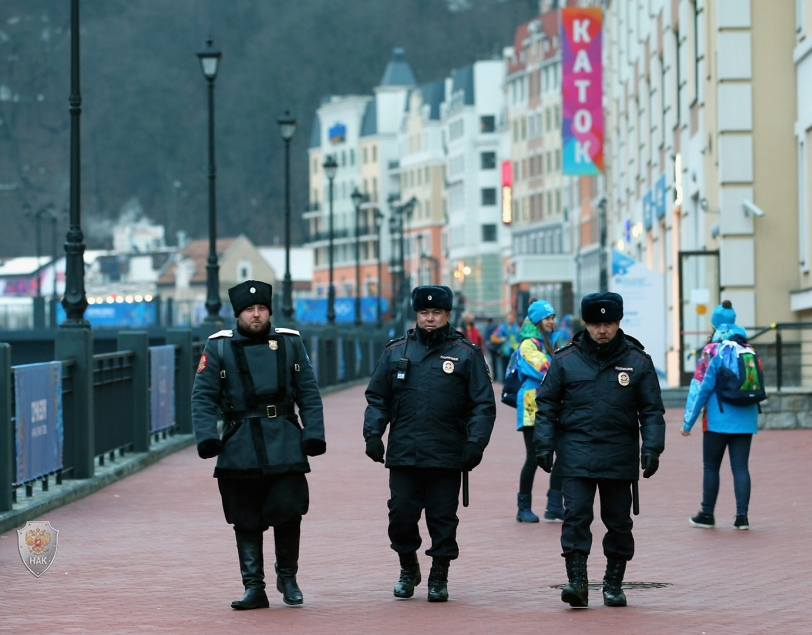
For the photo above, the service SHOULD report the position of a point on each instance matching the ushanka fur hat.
(432, 297)
(602, 307)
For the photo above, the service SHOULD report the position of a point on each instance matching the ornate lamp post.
(603, 281)
(209, 61)
(378, 227)
(357, 199)
(287, 128)
(330, 166)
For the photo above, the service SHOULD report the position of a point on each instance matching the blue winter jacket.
(734, 419)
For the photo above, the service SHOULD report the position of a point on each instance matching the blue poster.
(38, 420)
(648, 205)
(162, 387)
(314, 310)
(133, 314)
(661, 193)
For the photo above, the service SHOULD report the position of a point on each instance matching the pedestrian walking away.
(253, 376)
(725, 424)
(599, 397)
(532, 361)
(505, 339)
(432, 389)
(470, 332)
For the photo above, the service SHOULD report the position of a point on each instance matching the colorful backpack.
(740, 380)
(514, 378)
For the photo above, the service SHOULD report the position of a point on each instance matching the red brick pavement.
(152, 554)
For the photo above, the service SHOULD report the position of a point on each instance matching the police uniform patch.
(273, 345)
(204, 359)
(623, 379)
(448, 367)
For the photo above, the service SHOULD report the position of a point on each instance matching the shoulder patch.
(223, 333)
(288, 331)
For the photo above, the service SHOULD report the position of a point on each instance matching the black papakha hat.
(432, 297)
(249, 293)
(602, 307)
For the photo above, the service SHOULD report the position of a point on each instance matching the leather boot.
(525, 514)
(613, 594)
(438, 580)
(409, 575)
(286, 543)
(576, 593)
(249, 548)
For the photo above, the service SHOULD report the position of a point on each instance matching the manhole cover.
(626, 585)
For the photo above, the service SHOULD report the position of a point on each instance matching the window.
(557, 121)
(515, 132)
(488, 160)
(489, 196)
(352, 156)
(343, 158)
(487, 123)
(558, 159)
(547, 119)
(365, 156)
(427, 175)
(524, 128)
(315, 166)
(374, 153)
(489, 233)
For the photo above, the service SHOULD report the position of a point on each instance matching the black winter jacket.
(259, 372)
(445, 400)
(591, 408)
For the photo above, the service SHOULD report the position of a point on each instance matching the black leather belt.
(270, 411)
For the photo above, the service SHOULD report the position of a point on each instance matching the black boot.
(286, 541)
(438, 580)
(409, 575)
(525, 514)
(249, 548)
(613, 594)
(576, 593)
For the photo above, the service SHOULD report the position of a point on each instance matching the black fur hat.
(249, 293)
(602, 307)
(432, 297)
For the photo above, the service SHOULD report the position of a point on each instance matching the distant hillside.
(144, 112)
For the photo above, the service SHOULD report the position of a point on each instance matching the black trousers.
(414, 489)
(254, 504)
(616, 504)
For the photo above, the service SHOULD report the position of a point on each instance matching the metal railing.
(785, 349)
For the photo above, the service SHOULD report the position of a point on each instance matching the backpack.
(740, 381)
(513, 381)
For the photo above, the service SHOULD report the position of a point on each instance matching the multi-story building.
(703, 163)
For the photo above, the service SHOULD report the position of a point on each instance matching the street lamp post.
(287, 128)
(357, 199)
(209, 61)
(330, 166)
(603, 283)
(378, 227)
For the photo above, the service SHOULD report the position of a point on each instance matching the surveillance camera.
(704, 204)
(752, 208)
(715, 230)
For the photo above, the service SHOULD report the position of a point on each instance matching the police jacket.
(444, 400)
(255, 398)
(594, 404)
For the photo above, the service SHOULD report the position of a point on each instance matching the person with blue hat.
(599, 398)
(432, 389)
(532, 361)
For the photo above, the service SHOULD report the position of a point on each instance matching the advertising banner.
(643, 306)
(162, 387)
(38, 429)
(314, 310)
(116, 314)
(582, 90)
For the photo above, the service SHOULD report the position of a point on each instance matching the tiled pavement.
(152, 554)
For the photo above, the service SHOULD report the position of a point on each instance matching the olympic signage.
(582, 90)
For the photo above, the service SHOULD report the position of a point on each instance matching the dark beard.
(255, 335)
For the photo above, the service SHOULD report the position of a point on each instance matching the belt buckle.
(268, 410)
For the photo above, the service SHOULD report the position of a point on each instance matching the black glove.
(209, 448)
(545, 461)
(375, 449)
(471, 456)
(649, 462)
(314, 447)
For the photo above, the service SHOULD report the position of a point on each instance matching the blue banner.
(38, 420)
(314, 310)
(647, 209)
(162, 387)
(660, 197)
(132, 314)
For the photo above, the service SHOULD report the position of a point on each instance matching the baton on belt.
(465, 488)
(635, 499)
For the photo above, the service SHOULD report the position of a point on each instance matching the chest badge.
(273, 344)
(448, 367)
(623, 379)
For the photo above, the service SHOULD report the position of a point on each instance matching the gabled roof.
(398, 72)
(198, 252)
(463, 80)
(369, 124)
(315, 134)
(433, 95)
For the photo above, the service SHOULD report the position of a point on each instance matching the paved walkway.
(152, 554)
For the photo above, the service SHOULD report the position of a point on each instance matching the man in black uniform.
(433, 387)
(253, 376)
(599, 396)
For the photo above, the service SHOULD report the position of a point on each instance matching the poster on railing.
(314, 310)
(38, 429)
(162, 388)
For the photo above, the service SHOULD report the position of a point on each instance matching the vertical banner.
(162, 387)
(582, 90)
(38, 426)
